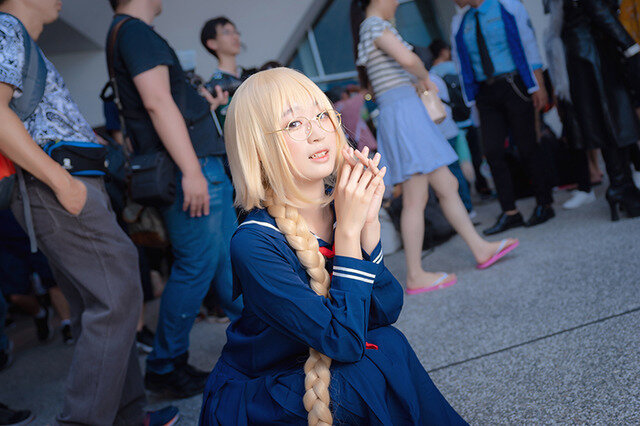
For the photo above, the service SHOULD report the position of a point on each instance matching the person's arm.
(155, 91)
(19, 147)
(335, 326)
(392, 46)
(539, 96)
(603, 18)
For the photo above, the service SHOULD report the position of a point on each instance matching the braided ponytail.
(318, 376)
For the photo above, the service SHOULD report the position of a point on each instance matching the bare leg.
(594, 166)
(141, 319)
(59, 303)
(415, 193)
(446, 187)
(468, 172)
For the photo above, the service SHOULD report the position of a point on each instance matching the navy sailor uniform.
(376, 377)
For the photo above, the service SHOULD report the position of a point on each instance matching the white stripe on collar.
(257, 222)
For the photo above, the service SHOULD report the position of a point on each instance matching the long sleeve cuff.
(353, 274)
(375, 256)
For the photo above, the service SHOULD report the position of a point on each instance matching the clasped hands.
(358, 196)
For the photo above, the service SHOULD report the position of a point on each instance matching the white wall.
(85, 74)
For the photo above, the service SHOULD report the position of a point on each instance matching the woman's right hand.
(353, 194)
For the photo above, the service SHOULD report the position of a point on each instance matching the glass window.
(333, 43)
(333, 37)
(303, 60)
(412, 26)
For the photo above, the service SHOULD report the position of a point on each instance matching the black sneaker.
(43, 327)
(177, 384)
(6, 357)
(15, 417)
(67, 336)
(144, 340)
(194, 372)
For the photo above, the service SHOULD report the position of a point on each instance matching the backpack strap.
(111, 48)
(34, 77)
(34, 80)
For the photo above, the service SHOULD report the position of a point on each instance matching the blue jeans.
(463, 185)
(4, 340)
(201, 250)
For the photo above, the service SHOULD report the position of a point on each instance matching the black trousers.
(506, 110)
(475, 149)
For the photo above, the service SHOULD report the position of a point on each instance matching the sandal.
(501, 252)
(441, 282)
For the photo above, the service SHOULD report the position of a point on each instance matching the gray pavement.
(550, 334)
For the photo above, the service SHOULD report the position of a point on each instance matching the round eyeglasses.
(299, 128)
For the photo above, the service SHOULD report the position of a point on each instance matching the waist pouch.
(79, 158)
(153, 179)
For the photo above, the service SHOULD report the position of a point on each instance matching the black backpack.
(459, 109)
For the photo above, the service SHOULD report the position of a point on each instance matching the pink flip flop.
(438, 284)
(501, 252)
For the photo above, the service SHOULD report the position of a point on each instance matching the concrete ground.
(550, 334)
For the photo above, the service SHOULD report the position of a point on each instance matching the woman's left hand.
(352, 156)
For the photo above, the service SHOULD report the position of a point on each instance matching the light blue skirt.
(408, 140)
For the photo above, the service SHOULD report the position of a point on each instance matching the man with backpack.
(164, 114)
(69, 217)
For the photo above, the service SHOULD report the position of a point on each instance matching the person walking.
(164, 114)
(595, 45)
(413, 149)
(69, 216)
(495, 50)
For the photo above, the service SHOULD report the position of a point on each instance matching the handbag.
(434, 106)
(153, 180)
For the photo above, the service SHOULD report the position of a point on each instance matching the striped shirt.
(383, 71)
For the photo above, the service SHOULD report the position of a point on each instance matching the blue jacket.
(521, 40)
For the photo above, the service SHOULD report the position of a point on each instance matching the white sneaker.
(636, 178)
(578, 199)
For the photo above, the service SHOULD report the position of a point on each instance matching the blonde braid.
(318, 376)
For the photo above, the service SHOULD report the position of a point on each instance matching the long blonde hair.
(264, 177)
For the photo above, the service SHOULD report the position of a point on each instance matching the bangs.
(275, 88)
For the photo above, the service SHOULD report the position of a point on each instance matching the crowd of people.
(295, 263)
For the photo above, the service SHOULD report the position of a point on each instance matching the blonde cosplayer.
(264, 176)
